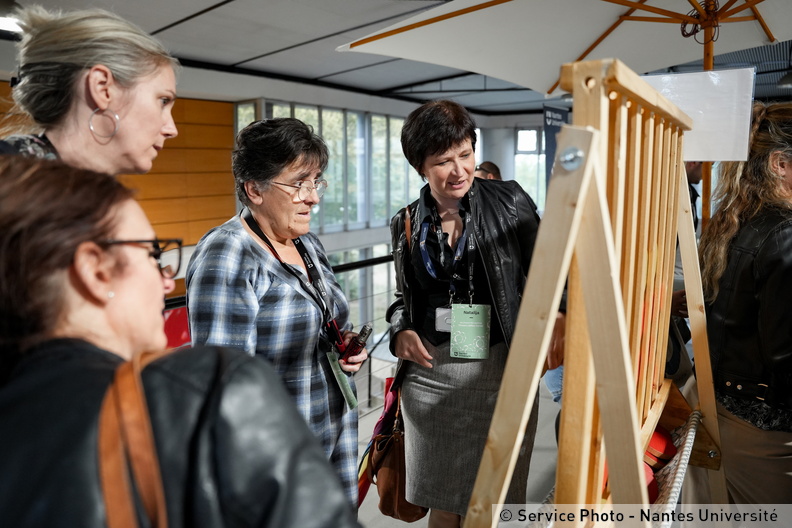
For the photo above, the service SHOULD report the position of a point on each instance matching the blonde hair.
(56, 47)
(746, 188)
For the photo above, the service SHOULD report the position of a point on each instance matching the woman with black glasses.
(82, 283)
(262, 282)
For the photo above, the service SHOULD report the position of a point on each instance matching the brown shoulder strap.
(407, 225)
(126, 400)
(113, 467)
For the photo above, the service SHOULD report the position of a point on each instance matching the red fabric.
(177, 328)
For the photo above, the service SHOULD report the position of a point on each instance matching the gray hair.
(56, 47)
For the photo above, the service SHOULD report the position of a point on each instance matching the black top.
(232, 448)
(433, 293)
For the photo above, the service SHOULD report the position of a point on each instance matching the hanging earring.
(116, 121)
(110, 294)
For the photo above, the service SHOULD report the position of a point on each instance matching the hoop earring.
(117, 121)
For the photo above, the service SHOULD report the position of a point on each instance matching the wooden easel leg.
(549, 266)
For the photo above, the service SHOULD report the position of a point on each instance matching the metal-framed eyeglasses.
(166, 251)
(305, 188)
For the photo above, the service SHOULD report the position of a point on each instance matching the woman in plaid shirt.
(263, 283)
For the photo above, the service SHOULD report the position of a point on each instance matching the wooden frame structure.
(616, 204)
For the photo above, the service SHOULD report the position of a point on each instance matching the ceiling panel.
(148, 14)
(396, 73)
(318, 60)
(297, 39)
(245, 29)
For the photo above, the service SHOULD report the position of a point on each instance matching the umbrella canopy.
(526, 41)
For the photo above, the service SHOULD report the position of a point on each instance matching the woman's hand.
(555, 354)
(352, 363)
(679, 304)
(408, 346)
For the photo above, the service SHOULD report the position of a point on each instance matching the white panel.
(719, 104)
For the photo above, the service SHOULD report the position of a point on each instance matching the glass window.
(333, 201)
(245, 114)
(353, 284)
(280, 110)
(356, 168)
(526, 140)
(529, 171)
(529, 164)
(308, 115)
(399, 168)
(379, 170)
(383, 284)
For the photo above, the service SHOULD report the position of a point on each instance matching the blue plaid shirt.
(239, 295)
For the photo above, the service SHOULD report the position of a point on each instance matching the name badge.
(470, 331)
(443, 319)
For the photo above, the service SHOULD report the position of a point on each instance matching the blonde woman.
(96, 91)
(746, 252)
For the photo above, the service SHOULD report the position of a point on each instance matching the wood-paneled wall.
(190, 189)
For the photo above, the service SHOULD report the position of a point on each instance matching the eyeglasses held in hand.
(166, 251)
(305, 188)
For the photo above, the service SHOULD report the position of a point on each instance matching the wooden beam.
(764, 25)
(597, 43)
(682, 17)
(747, 5)
(427, 22)
(549, 265)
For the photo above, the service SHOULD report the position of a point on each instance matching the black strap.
(465, 241)
(316, 288)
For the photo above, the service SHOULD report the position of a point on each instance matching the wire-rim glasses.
(166, 251)
(305, 188)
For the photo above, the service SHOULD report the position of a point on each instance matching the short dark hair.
(433, 128)
(265, 148)
(47, 209)
(489, 168)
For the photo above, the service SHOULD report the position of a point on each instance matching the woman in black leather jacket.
(746, 252)
(81, 290)
(468, 251)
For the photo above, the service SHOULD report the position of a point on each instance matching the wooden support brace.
(698, 332)
(549, 266)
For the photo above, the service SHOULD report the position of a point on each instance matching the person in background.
(488, 171)
(95, 90)
(81, 292)
(746, 253)
(679, 359)
(262, 282)
(470, 247)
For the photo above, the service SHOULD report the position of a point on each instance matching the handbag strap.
(407, 225)
(125, 433)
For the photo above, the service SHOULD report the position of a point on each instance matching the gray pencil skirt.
(447, 413)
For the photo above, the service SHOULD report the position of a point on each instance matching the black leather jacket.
(505, 223)
(232, 448)
(750, 322)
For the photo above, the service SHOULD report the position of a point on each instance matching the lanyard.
(316, 288)
(463, 240)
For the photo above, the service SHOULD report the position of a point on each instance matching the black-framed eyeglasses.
(305, 188)
(166, 251)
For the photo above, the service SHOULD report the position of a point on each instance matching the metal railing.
(370, 378)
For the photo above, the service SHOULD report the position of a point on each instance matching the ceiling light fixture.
(7, 22)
